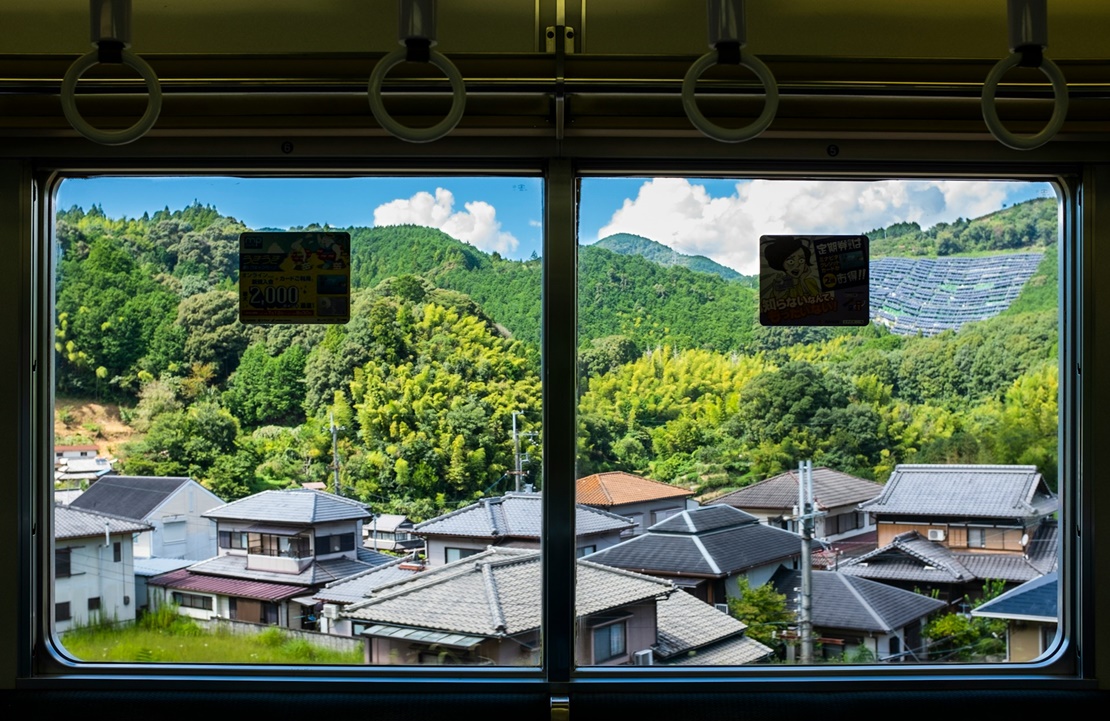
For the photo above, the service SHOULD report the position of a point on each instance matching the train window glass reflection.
(931, 432)
(218, 486)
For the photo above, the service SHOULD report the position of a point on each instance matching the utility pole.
(805, 514)
(517, 465)
(335, 449)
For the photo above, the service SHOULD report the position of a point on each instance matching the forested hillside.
(678, 381)
(629, 244)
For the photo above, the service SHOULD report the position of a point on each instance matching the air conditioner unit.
(331, 611)
(643, 658)
(936, 534)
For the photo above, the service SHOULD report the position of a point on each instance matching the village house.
(173, 507)
(485, 610)
(392, 533)
(94, 574)
(854, 616)
(514, 520)
(980, 508)
(276, 549)
(706, 551)
(836, 495)
(644, 501)
(1031, 611)
(913, 562)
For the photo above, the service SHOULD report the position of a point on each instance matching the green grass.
(168, 638)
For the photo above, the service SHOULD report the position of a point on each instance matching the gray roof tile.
(967, 491)
(734, 651)
(316, 573)
(912, 558)
(719, 550)
(291, 505)
(845, 602)
(684, 623)
(359, 587)
(496, 593)
(515, 515)
(71, 522)
(830, 489)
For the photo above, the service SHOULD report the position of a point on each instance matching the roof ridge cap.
(497, 614)
(846, 580)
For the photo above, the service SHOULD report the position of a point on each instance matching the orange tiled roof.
(616, 488)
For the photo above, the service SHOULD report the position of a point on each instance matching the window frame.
(1061, 669)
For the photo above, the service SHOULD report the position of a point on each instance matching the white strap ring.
(990, 112)
(417, 135)
(111, 137)
(716, 132)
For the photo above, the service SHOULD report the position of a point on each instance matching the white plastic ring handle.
(716, 132)
(990, 112)
(417, 135)
(111, 137)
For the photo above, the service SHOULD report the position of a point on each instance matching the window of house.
(585, 551)
(193, 600)
(609, 641)
(117, 552)
(457, 554)
(977, 537)
(62, 568)
(233, 539)
(94, 604)
(61, 611)
(336, 543)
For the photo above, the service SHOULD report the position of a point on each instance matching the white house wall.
(185, 504)
(93, 574)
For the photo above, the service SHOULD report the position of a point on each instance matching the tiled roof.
(129, 496)
(291, 505)
(846, 602)
(316, 573)
(684, 623)
(617, 488)
(70, 522)
(911, 557)
(496, 593)
(711, 541)
(185, 580)
(389, 521)
(830, 490)
(1035, 600)
(372, 557)
(358, 587)
(514, 515)
(734, 651)
(967, 491)
(154, 566)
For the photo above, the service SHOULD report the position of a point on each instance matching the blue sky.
(719, 218)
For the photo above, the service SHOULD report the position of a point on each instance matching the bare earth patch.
(80, 421)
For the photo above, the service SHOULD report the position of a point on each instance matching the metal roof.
(186, 580)
(132, 496)
(1035, 600)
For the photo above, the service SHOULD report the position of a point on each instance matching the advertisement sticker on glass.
(295, 277)
(813, 280)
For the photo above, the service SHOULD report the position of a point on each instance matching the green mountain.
(629, 244)
(1023, 226)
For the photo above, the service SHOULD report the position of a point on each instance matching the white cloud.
(477, 225)
(683, 215)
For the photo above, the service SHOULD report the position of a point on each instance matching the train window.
(234, 492)
(744, 499)
(844, 494)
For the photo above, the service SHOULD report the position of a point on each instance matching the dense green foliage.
(764, 611)
(1031, 224)
(677, 379)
